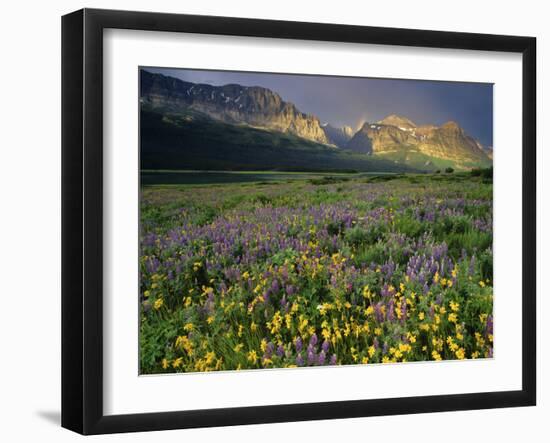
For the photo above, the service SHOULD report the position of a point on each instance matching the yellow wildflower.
(252, 357)
(366, 292)
(209, 357)
(371, 351)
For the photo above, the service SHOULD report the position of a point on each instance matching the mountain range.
(396, 135)
(200, 126)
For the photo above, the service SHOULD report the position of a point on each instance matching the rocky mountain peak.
(451, 126)
(338, 136)
(347, 130)
(397, 120)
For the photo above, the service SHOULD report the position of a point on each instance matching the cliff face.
(255, 106)
(398, 134)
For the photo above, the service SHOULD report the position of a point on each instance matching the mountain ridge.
(394, 138)
(232, 103)
(394, 133)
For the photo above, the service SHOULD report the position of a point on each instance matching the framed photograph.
(269, 221)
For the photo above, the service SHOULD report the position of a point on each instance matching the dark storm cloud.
(352, 101)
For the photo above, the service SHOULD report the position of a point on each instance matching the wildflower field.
(322, 271)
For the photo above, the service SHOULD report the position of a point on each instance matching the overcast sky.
(352, 101)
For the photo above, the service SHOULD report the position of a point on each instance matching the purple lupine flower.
(390, 310)
(333, 360)
(378, 312)
(298, 344)
(325, 346)
(313, 340)
(322, 358)
(299, 360)
(375, 343)
(280, 351)
(310, 358)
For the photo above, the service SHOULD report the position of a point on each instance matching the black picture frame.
(82, 218)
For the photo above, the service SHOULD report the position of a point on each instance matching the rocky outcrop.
(255, 106)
